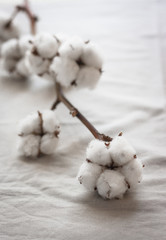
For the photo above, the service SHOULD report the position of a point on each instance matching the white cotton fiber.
(111, 184)
(36, 64)
(91, 56)
(48, 144)
(88, 175)
(61, 38)
(88, 77)
(25, 43)
(132, 172)
(46, 45)
(13, 60)
(29, 145)
(30, 124)
(22, 69)
(72, 48)
(98, 152)
(10, 49)
(121, 151)
(7, 33)
(65, 70)
(50, 122)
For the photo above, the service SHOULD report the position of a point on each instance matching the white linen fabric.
(42, 199)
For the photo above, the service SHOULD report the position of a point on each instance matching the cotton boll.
(88, 175)
(121, 151)
(25, 43)
(91, 56)
(88, 77)
(64, 70)
(10, 49)
(36, 64)
(22, 69)
(46, 44)
(98, 152)
(48, 143)
(43, 126)
(132, 172)
(30, 124)
(29, 145)
(72, 48)
(111, 184)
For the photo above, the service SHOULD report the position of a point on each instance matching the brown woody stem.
(26, 9)
(55, 104)
(76, 113)
(33, 19)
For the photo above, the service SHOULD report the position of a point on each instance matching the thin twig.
(55, 104)
(11, 19)
(26, 9)
(32, 17)
(76, 113)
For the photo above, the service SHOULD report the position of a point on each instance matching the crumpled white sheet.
(42, 199)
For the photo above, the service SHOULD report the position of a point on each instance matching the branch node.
(74, 112)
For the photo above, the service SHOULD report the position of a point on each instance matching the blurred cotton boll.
(38, 134)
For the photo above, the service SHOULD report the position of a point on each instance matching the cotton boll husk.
(9, 64)
(50, 122)
(36, 64)
(64, 70)
(88, 175)
(25, 43)
(48, 143)
(61, 38)
(29, 145)
(30, 124)
(72, 48)
(88, 77)
(91, 56)
(46, 44)
(98, 152)
(10, 49)
(121, 151)
(132, 172)
(111, 184)
(22, 69)
(7, 33)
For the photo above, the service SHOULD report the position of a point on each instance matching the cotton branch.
(76, 113)
(26, 9)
